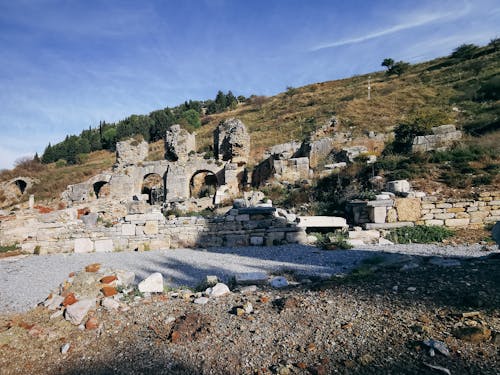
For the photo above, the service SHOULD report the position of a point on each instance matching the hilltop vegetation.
(461, 88)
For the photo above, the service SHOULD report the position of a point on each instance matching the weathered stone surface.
(256, 241)
(456, 222)
(257, 210)
(377, 214)
(443, 136)
(90, 220)
(110, 304)
(321, 222)
(495, 233)
(348, 154)
(128, 229)
(103, 246)
(364, 235)
(278, 282)
(84, 245)
(319, 150)
(251, 278)
(392, 215)
(179, 143)
(77, 311)
(218, 290)
(54, 302)
(399, 224)
(232, 141)
(152, 284)
(131, 152)
(408, 209)
(398, 186)
(434, 222)
(125, 278)
(151, 227)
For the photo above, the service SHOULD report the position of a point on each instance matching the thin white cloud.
(415, 21)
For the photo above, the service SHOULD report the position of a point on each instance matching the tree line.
(74, 148)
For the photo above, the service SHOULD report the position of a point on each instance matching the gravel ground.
(27, 280)
(376, 320)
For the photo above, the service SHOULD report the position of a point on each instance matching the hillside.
(453, 87)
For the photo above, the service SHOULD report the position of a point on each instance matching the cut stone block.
(456, 222)
(151, 227)
(251, 278)
(256, 241)
(84, 245)
(377, 214)
(128, 229)
(322, 222)
(104, 246)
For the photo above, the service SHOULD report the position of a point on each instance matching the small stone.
(248, 308)
(248, 289)
(411, 289)
(251, 278)
(109, 291)
(94, 267)
(211, 279)
(218, 290)
(65, 348)
(108, 279)
(264, 299)
(395, 288)
(54, 302)
(152, 284)
(201, 300)
(437, 345)
(57, 314)
(69, 299)
(239, 311)
(92, 323)
(279, 282)
(302, 365)
(124, 278)
(110, 304)
(473, 334)
(77, 311)
(366, 359)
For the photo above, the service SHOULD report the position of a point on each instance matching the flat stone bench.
(322, 222)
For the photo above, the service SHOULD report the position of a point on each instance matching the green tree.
(465, 52)
(191, 118)
(48, 155)
(398, 68)
(388, 63)
(162, 120)
(109, 138)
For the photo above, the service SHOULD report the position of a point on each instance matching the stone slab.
(322, 222)
(257, 211)
(389, 225)
(103, 246)
(128, 229)
(83, 245)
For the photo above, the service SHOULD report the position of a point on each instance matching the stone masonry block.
(408, 209)
(434, 222)
(128, 229)
(83, 245)
(104, 246)
(151, 227)
(456, 222)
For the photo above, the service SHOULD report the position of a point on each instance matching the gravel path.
(26, 281)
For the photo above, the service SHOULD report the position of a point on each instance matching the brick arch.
(153, 184)
(203, 182)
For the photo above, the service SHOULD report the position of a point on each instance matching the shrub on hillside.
(419, 234)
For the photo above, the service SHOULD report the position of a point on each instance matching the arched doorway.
(101, 189)
(152, 185)
(21, 185)
(203, 184)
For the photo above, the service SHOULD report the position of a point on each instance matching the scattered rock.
(69, 299)
(438, 368)
(473, 334)
(53, 302)
(279, 282)
(110, 304)
(124, 278)
(201, 300)
(248, 289)
(92, 323)
(411, 289)
(218, 290)
(65, 348)
(108, 279)
(444, 262)
(109, 291)
(77, 311)
(437, 345)
(152, 284)
(94, 267)
(212, 280)
(251, 278)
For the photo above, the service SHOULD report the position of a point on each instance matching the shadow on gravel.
(463, 283)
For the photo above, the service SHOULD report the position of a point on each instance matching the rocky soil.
(392, 315)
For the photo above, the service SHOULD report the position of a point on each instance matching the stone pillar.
(31, 201)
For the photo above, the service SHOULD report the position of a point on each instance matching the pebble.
(411, 289)
(65, 348)
(110, 304)
(437, 345)
(201, 300)
(54, 302)
(248, 289)
(57, 314)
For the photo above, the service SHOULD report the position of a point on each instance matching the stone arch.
(203, 183)
(153, 186)
(21, 185)
(101, 189)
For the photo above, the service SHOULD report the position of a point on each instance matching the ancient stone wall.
(232, 141)
(427, 210)
(64, 232)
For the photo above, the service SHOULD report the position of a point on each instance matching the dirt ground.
(373, 321)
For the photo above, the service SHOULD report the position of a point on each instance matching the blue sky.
(66, 64)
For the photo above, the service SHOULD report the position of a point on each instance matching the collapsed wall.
(63, 231)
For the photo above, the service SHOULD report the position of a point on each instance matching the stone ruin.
(441, 138)
(184, 177)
